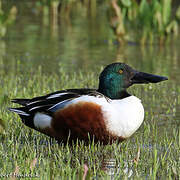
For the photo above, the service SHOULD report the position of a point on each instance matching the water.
(80, 41)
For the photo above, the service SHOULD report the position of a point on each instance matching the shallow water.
(80, 42)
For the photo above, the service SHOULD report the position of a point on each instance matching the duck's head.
(117, 77)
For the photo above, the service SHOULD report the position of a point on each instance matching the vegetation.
(6, 19)
(145, 21)
(152, 153)
(152, 19)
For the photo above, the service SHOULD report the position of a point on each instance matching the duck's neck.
(113, 94)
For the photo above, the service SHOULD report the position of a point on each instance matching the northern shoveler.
(106, 114)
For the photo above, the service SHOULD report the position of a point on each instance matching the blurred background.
(86, 34)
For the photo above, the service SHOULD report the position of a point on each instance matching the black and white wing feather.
(47, 102)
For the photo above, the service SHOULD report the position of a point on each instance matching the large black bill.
(141, 77)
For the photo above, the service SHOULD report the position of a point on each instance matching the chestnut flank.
(79, 120)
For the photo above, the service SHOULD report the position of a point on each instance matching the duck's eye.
(120, 71)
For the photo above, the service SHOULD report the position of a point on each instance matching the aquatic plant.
(6, 19)
(149, 18)
(144, 21)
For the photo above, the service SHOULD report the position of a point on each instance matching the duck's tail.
(21, 111)
(26, 117)
(22, 102)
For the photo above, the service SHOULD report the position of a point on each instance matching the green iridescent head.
(117, 77)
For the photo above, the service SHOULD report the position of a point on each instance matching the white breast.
(124, 116)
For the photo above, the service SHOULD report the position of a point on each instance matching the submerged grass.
(152, 153)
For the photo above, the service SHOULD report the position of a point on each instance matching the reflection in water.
(2, 55)
(6, 18)
(110, 167)
(80, 41)
(2, 49)
(113, 169)
(54, 18)
(116, 169)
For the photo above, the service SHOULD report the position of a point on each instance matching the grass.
(152, 153)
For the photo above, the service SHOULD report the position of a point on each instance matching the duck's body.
(86, 113)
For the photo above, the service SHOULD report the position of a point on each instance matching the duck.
(104, 115)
